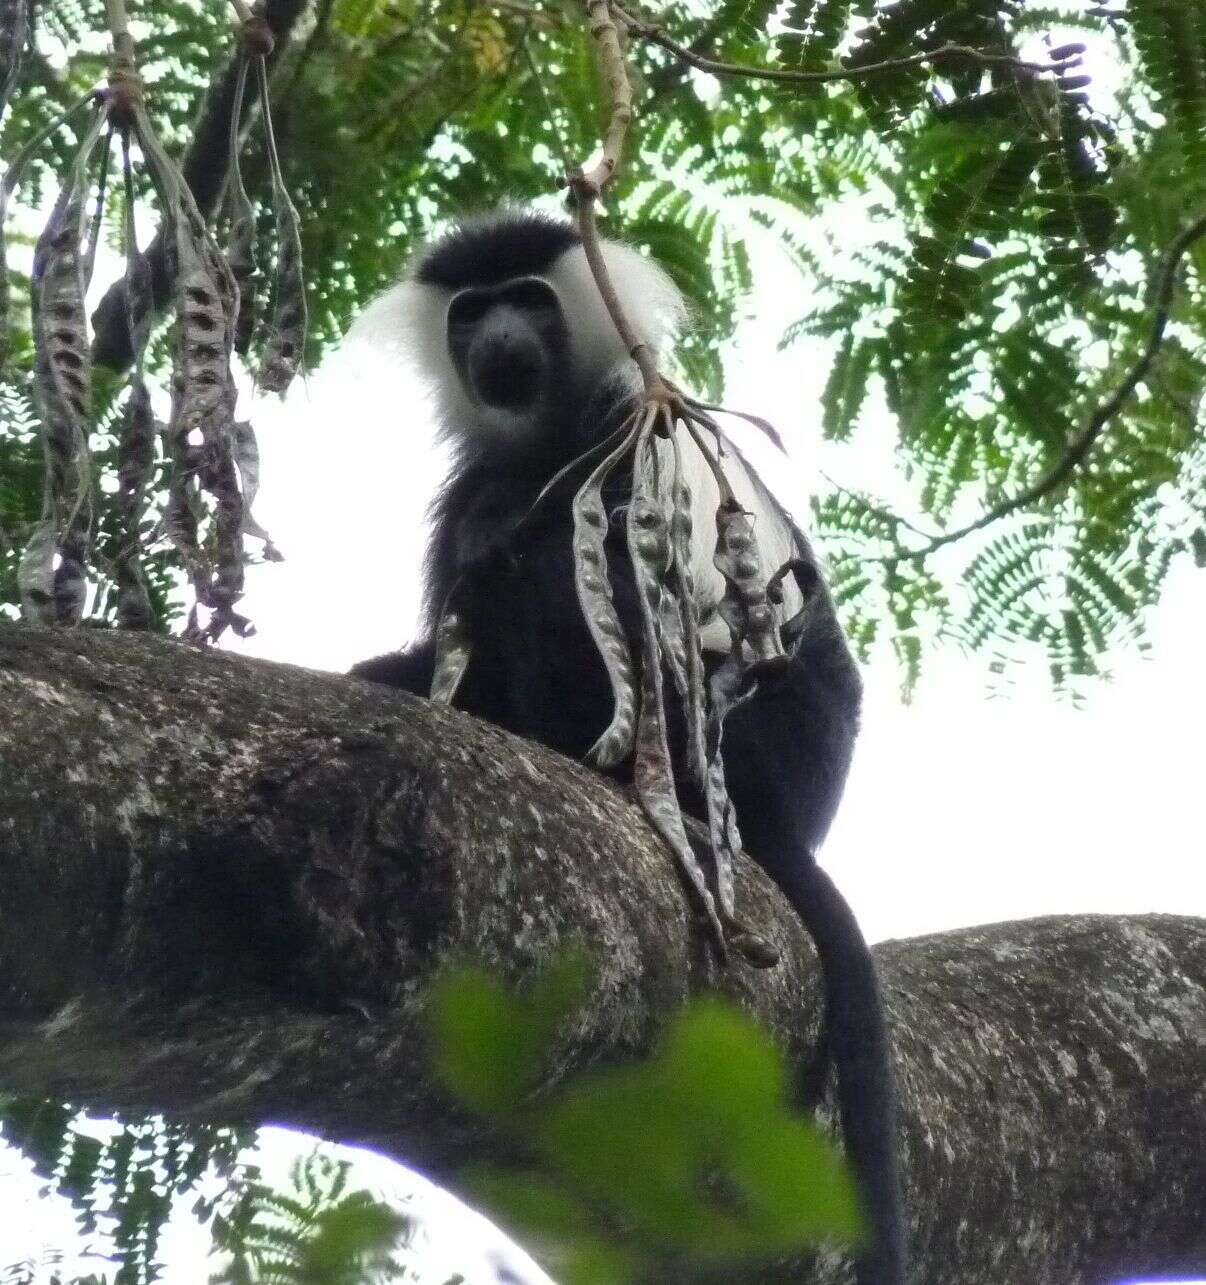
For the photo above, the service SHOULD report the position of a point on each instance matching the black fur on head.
(494, 248)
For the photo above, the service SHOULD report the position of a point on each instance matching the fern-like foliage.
(122, 1180)
(990, 282)
(316, 1230)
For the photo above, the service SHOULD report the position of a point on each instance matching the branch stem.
(119, 30)
(609, 56)
(946, 53)
(1083, 440)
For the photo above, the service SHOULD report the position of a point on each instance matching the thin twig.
(549, 114)
(609, 55)
(1082, 442)
(587, 186)
(876, 510)
(946, 53)
(638, 348)
(119, 30)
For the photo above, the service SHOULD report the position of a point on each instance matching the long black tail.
(856, 1039)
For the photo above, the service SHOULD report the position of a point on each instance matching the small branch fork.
(609, 23)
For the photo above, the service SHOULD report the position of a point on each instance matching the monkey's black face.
(506, 342)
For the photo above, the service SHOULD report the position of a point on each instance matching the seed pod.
(683, 591)
(136, 432)
(598, 609)
(452, 652)
(35, 574)
(63, 378)
(136, 460)
(744, 607)
(286, 342)
(240, 254)
(247, 461)
(11, 178)
(653, 774)
(203, 398)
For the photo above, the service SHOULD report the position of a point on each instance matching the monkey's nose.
(506, 371)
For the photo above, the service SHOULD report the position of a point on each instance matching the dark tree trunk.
(224, 885)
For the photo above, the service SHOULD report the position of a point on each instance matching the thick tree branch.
(224, 886)
(204, 165)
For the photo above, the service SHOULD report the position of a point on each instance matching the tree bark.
(225, 884)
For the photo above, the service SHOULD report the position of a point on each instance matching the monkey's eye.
(529, 294)
(468, 308)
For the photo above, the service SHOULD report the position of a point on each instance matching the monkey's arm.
(411, 669)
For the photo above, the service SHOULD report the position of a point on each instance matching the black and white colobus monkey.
(528, 372)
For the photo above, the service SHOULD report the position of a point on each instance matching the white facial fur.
(411, 319)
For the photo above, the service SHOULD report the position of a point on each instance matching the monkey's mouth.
(508, 376)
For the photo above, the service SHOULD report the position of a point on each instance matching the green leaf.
(487, 1041)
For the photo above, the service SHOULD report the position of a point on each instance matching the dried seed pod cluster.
(657, 541)
(213, 461)
(598, 608)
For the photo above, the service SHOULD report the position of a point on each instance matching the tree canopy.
(983, 244)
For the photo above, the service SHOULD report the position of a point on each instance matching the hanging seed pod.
(744, 607)
(708, 772)
(286, 341)
(595, 598)
(201, 429)
(681, 527)
(653, 774)
(221, 480)
(247, 461)
(136, 434)
(98, 212)
(14, 40)
(11, 178)
(240, 253)
(35, 574)
(672, 643)
(136, 459)
(181, 523)
(705, 743)
(63, 383)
